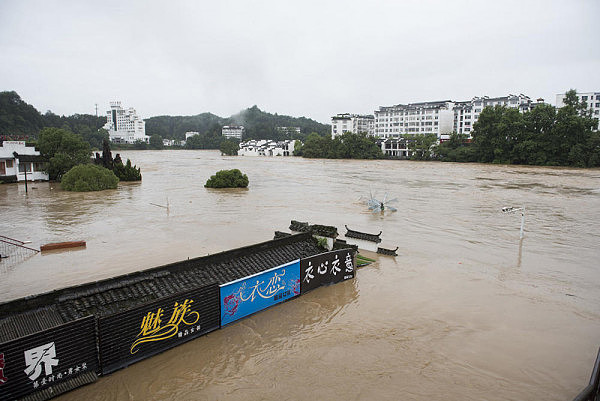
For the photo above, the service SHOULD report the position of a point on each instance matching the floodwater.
(467, 311)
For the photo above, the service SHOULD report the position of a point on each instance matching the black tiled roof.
(363, 236)
(120, 293)
(30, 158)
(315, 229)
(385, 251)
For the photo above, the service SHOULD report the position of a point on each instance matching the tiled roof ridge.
(178, 276)
(365, 236)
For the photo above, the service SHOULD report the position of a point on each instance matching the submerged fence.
(45, 351)
(13, 251)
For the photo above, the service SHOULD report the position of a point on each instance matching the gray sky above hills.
(301, 58)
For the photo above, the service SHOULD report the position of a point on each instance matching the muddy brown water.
(465, 312)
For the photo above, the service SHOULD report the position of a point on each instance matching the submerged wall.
(55, 342)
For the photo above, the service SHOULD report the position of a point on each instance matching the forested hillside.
(258, 124)
(20, 120)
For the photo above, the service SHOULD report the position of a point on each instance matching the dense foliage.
(210, 140)
(89, 177)
(421, 145)
(543, 136)
(156, 142)
(229, 147)
(227, 179)
(257, 123)
(19, 119)
(346, 146)
(125, 172)
(63, 149)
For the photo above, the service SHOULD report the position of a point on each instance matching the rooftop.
(34, 313)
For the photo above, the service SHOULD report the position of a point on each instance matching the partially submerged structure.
(20, 161)
(54, 342)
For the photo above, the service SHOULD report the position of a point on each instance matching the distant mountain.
(20, 120)
(258, 124)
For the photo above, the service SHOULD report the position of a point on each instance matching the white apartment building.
(466, 113)
(591, 98)
(124, 125)
(233, 131)
(415, 118)
(291, 131)
(353, 123)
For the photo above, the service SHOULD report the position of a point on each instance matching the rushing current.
(467, 311)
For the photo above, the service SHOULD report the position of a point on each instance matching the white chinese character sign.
(40, 358)
(326, 268)
(43, 359)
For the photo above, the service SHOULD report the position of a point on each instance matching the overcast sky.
(300, 58)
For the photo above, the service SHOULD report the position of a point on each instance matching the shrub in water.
(228, 179)
(126, 172)
(89, 177)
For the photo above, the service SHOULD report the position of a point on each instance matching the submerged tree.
(125, 172)
(227, 179)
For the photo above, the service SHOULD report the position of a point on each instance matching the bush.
(126, 172)
(89, 177)
(228, 179)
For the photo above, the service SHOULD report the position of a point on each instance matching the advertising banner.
(139, 333)
(326, 268)
(41, 360)
(248, 295)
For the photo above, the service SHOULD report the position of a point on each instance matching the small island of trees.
(228, 179)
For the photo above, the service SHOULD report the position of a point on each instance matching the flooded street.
(467, 311)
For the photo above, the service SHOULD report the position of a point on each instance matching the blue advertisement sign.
(248, 295)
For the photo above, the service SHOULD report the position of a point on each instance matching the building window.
(9, 164)
(584, 97)
(24, 167)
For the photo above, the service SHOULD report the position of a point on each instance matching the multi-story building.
(124, 125)
(415, 118)
(466, 113)
(233, 131)
(591, 98)
(353, 123)
(291, 131)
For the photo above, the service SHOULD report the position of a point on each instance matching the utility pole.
(25, 165)
(96, 124)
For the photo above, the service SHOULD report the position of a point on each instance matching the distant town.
(390, 125)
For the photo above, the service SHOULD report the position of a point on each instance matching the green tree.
(317, 146)
(17, 117)
(227, 179)
(421, 146)
(456, 149)
(89, 177)
(156, 142)
(126, 172)
(229, 147)
(63, 149)
(495, 134)
(298, 145)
